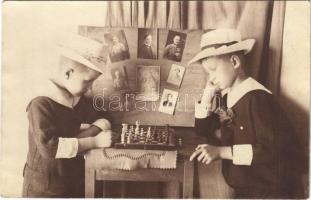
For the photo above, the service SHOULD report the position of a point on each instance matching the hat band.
(216, 46)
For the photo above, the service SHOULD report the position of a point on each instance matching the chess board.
(148, 138)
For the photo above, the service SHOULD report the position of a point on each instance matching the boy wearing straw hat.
(54, 166)
(253, 144)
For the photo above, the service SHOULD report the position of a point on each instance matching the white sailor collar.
(240, 90)
(60, 96)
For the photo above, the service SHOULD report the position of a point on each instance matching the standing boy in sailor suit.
(54, 166)
(254, 146)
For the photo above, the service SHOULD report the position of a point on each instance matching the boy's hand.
(208, 93)
(103, 139)
(206, 153)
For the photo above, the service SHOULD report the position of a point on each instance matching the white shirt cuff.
(67, 148)
(201, 110)
(242, 154)
(103, 124)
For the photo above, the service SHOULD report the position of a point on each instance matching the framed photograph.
(118, 47)
(119, 78)
(148, 83)
(168, 101)
(147, 43)
(176, 75)
(174, 46)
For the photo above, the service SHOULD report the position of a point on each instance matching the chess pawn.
(166, 140)
(129, 140)
(136, 134)
(180, 142)
(171, 139)
(124, 128)
(137, 128)
(142, 132)
(149, 132)
(123, 133)
(123, 138)
(131, 131)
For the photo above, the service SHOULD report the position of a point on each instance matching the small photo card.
(118, 47)
(176, 75)
(174, 46)
(119, 78)
(168, 101)
(147, 43)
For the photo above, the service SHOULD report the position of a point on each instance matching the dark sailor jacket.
(259, 134)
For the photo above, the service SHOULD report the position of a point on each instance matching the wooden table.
(182, 174)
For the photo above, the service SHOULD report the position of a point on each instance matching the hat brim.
(76, 57)
(245, 46)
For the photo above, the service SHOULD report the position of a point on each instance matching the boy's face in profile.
(221, 72)
(80, 80)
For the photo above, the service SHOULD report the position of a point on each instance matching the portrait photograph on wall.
(118, 47)
(168, 101)
(174, 46)
(119, 78)
(147, 46)
(176, 75)
(148, 83)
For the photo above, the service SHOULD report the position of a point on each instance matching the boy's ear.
(235, 61)
(68, 73)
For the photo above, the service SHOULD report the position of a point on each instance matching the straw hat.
(80, 49)
(222, 41)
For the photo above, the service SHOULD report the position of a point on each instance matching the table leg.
(172, 190)
(188, 179)
(123, 189)
(89, 183)
(104, 189)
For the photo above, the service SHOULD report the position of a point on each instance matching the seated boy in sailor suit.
(254, 146)
(54, 166)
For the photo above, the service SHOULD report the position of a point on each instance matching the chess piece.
(141, 132)
(167, 128)
(137, 128)
(149, 132)
(171, 139)
(131, 131)
(129, 139)
(180, 142)
(122, 138)
(130, 135)
(123, 134)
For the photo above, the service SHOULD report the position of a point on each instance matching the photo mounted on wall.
(119, 78)
(147, 43)
(118, 47)
(175, 45)
(148, 83)
(168, 101)
(176, 75)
